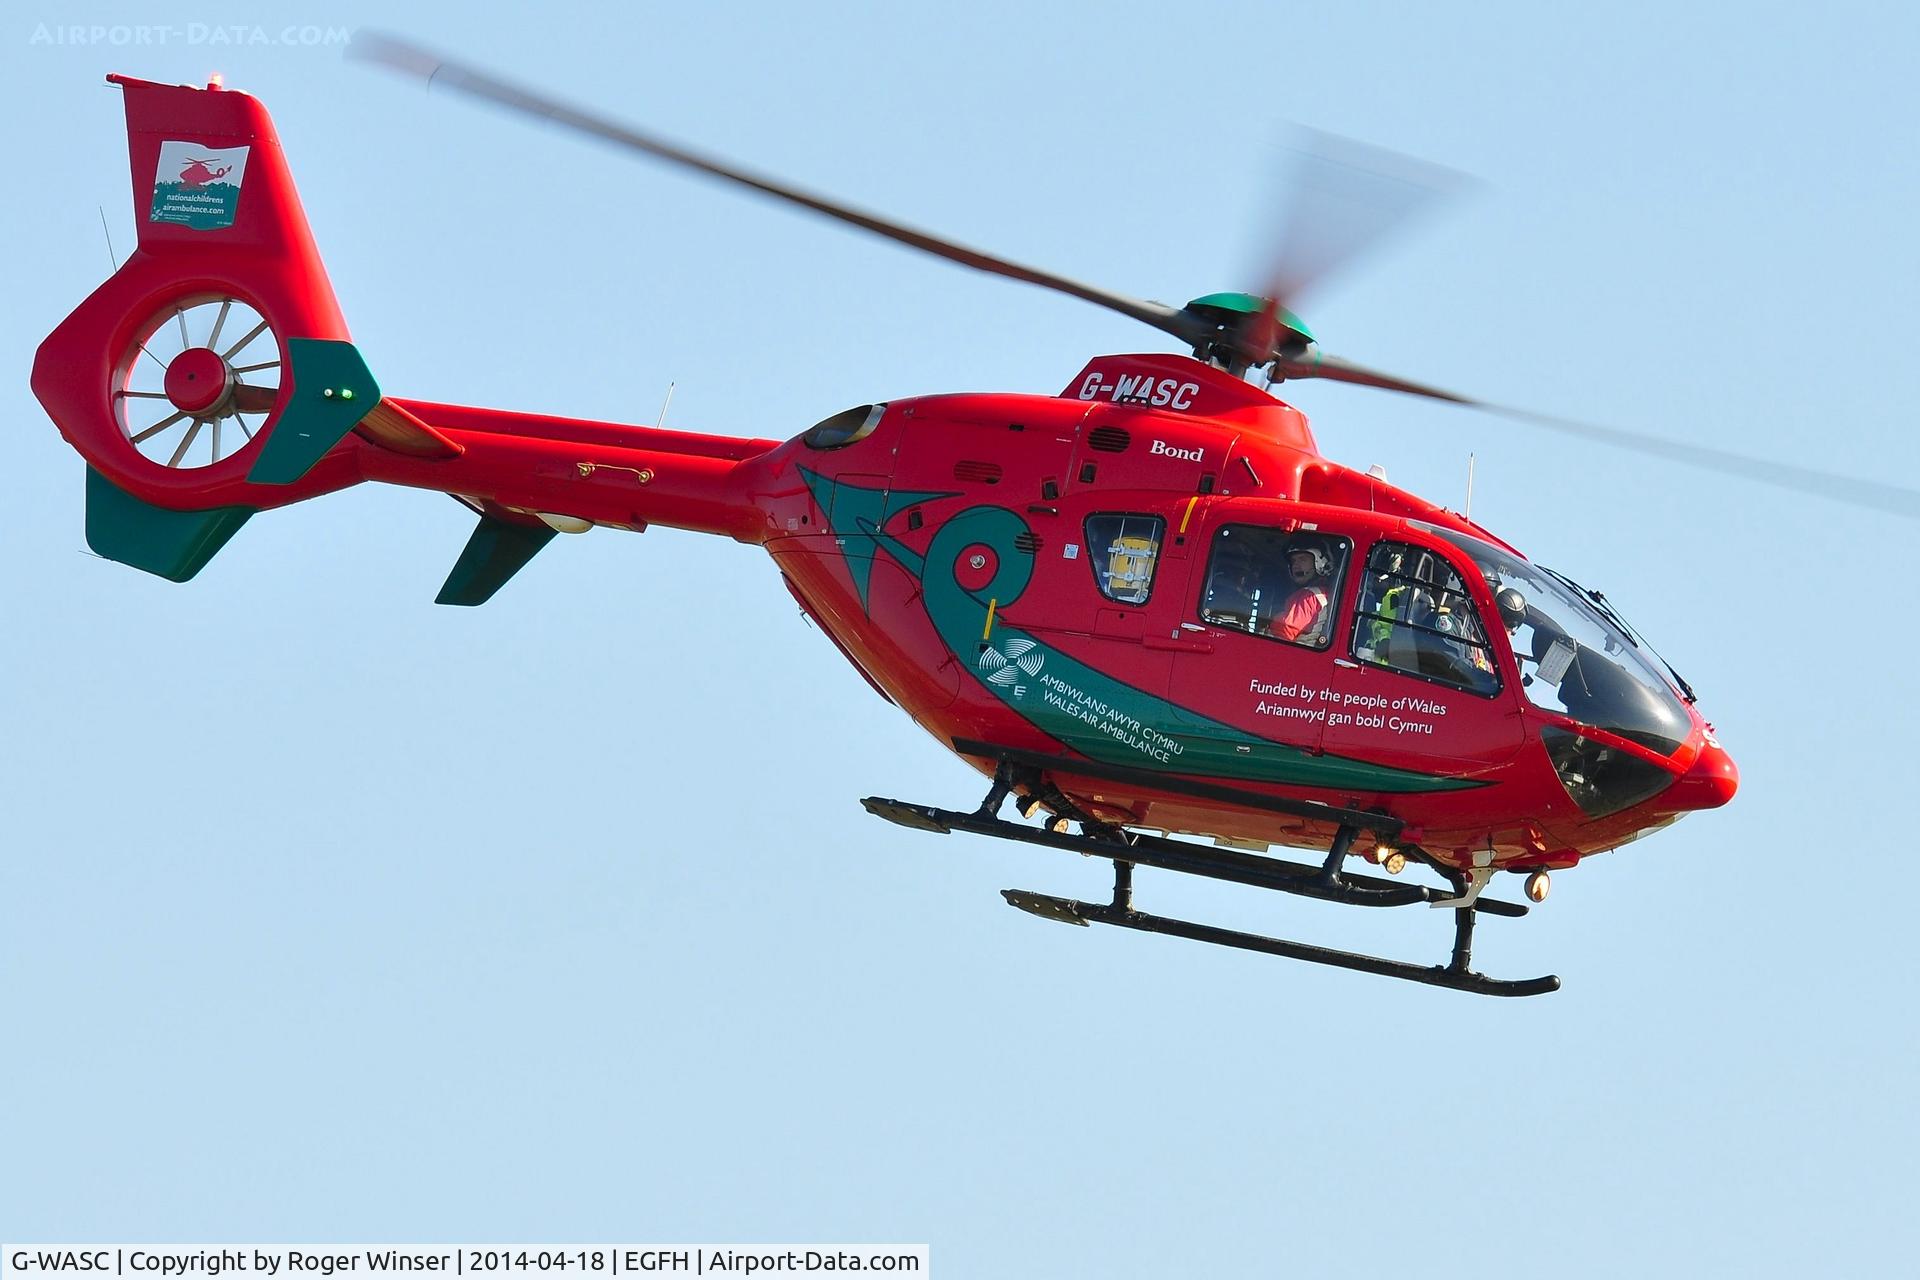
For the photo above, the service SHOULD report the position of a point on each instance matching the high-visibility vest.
(1392, 605)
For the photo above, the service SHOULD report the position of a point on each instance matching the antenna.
(1468, 513)
(663, 407)
(111, 256)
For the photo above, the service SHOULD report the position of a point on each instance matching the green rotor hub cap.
(1247, 304)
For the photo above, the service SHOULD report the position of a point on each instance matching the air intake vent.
(1027, 542)
(1108, 440)
(976, 472)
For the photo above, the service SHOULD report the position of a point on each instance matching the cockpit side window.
(1274, 583)
(1122, 551)
(1414, 616)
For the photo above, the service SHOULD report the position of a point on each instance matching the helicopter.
(1168, 630)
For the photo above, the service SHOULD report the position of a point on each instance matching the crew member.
(1307, 616)
(1390, 610)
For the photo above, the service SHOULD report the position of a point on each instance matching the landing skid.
(1455, 977)
(1327, 883)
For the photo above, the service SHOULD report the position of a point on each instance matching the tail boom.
(608, 473)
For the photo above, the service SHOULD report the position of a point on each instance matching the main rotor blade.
(1340, 199)
(1872, 494)
(1318, 364)
(433, 69)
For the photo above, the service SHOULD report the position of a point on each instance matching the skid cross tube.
(1462, 960)
(1188, 859)
(998, 792)
(1330, 872)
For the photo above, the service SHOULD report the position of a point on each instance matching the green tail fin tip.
(173, 544)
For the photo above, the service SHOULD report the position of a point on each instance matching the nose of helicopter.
(1710, 783)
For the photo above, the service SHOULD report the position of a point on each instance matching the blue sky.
(326, 913)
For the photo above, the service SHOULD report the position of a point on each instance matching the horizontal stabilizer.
(496, 551)
(173, 544)
(397, 429)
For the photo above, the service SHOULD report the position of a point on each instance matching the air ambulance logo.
(1003, 669)
(198, 186)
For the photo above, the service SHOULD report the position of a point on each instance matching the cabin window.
(1122, 551)
(1416, 618)
(1274, 583)
(844, 428)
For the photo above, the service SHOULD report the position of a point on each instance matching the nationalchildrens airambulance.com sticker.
(198, 186)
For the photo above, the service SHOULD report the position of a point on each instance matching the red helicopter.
(1170, 632)
(199, 173)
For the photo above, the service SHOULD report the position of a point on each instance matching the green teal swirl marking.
(858, 513)
(1102, 718)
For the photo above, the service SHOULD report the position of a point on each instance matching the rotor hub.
(198, 380)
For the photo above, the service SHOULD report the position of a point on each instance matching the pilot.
(1307, 616)
(1516, 612)
(1512, 606)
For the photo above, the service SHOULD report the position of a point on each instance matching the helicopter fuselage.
(961, 554)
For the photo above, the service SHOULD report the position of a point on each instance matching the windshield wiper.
(1605, 609)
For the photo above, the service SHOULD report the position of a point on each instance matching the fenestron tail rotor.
(198, 381)
(1343, 199)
